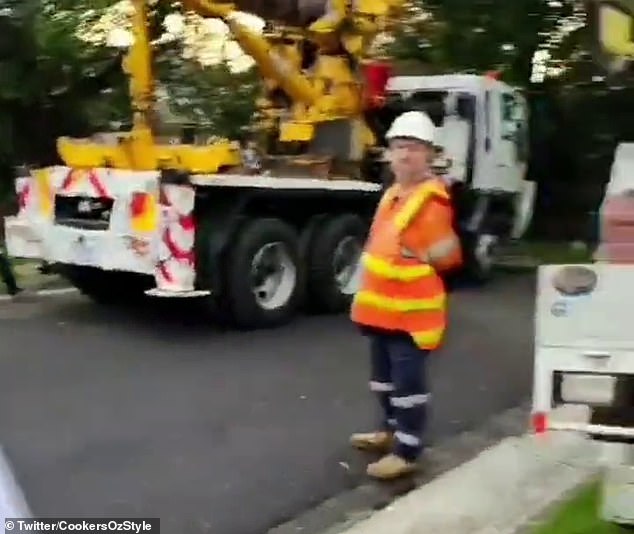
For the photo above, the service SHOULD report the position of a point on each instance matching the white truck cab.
(483, 131)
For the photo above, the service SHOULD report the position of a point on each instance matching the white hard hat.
(413, 124)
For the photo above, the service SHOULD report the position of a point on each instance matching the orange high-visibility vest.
(399, 292)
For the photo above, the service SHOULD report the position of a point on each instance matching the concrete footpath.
(499, 492)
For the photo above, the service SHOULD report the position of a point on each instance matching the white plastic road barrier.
(12, 502)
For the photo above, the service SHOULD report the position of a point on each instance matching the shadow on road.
(179, 315)
(157, 318)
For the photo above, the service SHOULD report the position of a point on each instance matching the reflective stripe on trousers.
(398, 378)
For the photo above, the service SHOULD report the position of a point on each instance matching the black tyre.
(264, 274)
(106, 287)
(333, 253)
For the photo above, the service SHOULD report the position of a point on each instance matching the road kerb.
(498, 492)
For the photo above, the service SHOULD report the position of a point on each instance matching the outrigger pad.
(156, 292)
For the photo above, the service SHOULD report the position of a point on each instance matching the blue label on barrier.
(560, 308)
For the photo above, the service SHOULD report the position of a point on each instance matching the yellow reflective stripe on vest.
(404, 217)
(385, 269)
(428, 338)
(381, 302)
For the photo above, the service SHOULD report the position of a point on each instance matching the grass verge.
(580, 515)
(29, 277)
(530, 254)
(559, 252)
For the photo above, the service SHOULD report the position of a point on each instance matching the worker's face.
(410, 160)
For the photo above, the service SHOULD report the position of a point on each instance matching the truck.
(135, 213)
(584, 344)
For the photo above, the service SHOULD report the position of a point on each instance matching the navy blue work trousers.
(399, 379)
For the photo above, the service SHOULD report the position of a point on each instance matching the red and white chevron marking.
(84, 181)
(176, 268)
(24, 192)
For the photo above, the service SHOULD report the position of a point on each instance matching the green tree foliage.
(216, 99)
(50, 79)
(474, 36)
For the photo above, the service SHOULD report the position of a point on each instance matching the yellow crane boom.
(271, 64)
(328, 91)
(613, 28)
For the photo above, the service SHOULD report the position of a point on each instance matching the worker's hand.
(441, 255)
(443, 249)
(432, 237)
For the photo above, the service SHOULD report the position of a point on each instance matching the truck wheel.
(264, 274)
(332, 260)
(480, 255)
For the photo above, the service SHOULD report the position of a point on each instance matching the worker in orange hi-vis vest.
(401, 302)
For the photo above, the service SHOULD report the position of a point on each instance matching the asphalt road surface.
(142, 413)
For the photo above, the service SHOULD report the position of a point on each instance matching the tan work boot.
(391, 466)
(372, 441)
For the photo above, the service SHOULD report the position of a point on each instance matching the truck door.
(520, 116)
(457, 136)
(485, 170)
(509, 152)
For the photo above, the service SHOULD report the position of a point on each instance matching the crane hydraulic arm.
(271, 64)
(330, 87)
(330, 90)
